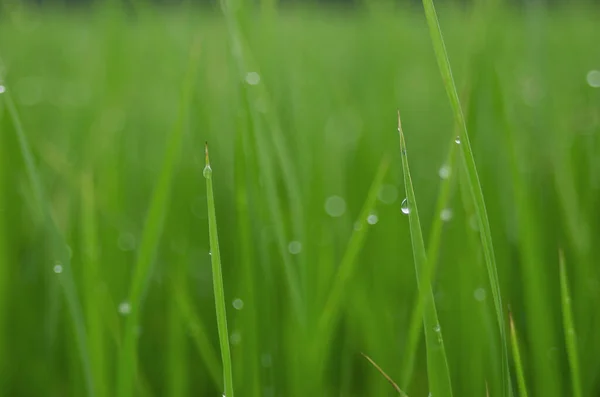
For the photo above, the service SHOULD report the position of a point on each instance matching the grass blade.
(474, 185)
(58, 245)
(437, 364)
(150, 238)
(386, 376)
(218, 281)
(517, 358)
(346, 269)
(569, 328)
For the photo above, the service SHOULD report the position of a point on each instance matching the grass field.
(106, 285)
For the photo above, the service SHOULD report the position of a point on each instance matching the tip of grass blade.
(206, 159)
(386, 376)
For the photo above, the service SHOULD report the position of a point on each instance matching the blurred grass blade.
(517, 358)
(416, 319)
(199, 336)
(569, 328)
(151, 236)
(386, 376)
(347, 266)
(437, 364)
(59, 247)
(473, 179)
(92, 281)
(218, 281)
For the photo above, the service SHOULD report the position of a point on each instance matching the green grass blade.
(91, 280)
(416, 320)
(474, 185)
(199, 336)
(437, 364)
(218, 281)
(59, 247)
(151, 236)
(569, 328)
(347, 265)
(517, 358)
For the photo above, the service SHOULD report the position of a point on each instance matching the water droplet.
(252, 78)
(126, 241)
(445, 170)
(372, 219)
(207, 172)
(404, 207)
(446, 214)
(2, 89)
(235, 338)
(437, 328)
(457, 140)
(480, 294)
(593, 78)
(238, 304)
(124, 308)
(266, 360)
(388, 194)
(335, 206)
(295, 247)
(58, 267)
(357, 225)
(209, 253)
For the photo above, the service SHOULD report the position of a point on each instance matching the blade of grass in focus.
(416, 319)
(218, 281)
(569, 328)
(437, 364)
(517, 358)
(62, 257)
(151, 236)
(474, 185)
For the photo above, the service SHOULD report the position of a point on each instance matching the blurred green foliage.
(299, 107)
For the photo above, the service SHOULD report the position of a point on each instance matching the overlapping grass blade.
(569, 328)
(58, 246)
(151, 236)
(437, 364)
(218, 281)
(517, 359)
(474, 185)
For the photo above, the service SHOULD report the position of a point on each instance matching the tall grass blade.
(517, 358)
(416, 319)
(58, 244)
(151, 236)
(474, 185)
(437, 364)
(569, 328)
(218, 281)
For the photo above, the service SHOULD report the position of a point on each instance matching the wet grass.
(102, 132)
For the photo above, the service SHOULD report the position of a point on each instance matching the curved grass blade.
(517, 358)
(437, 364)
(474, 185)
(58, 245)
(151, 236)
(569, 327)
(218, 281)
(386, 376)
